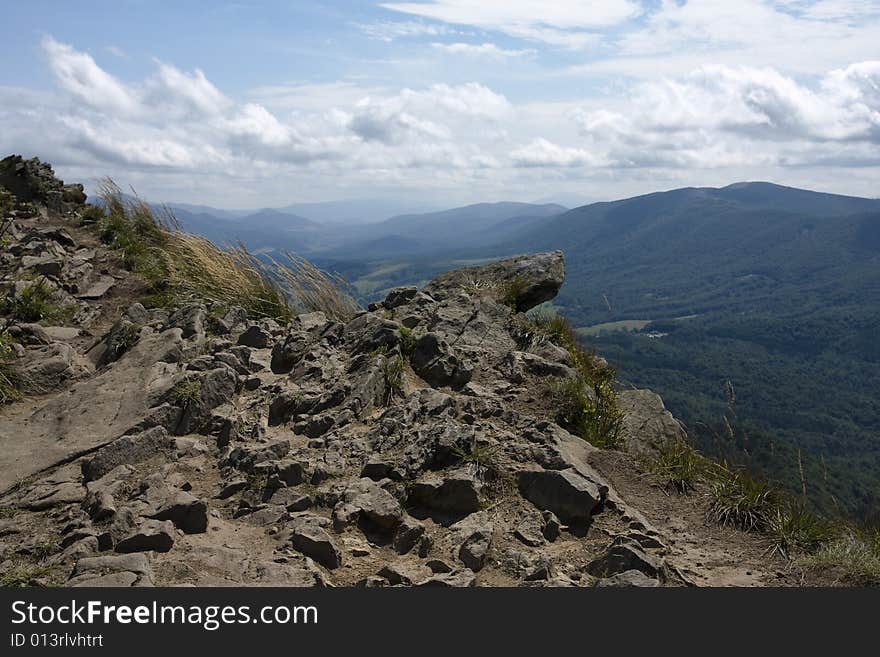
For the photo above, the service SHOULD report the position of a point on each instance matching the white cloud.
(716, 123)
(79, 75)
(543, 153)
(721, 116)
(481, 50)
(558, 22)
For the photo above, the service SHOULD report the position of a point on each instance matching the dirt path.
(706, 554)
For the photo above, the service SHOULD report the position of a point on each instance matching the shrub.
(594, 417)
(511, 291)
(6, 202)
(587, 407)
(124, 339)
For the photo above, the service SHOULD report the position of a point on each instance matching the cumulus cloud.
(543, 153)
(715, 118)
(179, 120)
(723, 116)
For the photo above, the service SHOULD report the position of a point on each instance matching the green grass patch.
(587, 406)
(742, 501)
(35, 304)
(854, 558)
(24, 576)
(186, 393)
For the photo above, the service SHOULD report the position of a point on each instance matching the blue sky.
(447, 101)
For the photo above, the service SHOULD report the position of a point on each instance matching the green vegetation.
(124, 339)
(511, 292)
(393, 370)
(852, 559)
(35, 304)
(186, 392)
(681, 467)
(11, 382)
(24, 576)
(407, 341)
(793, 529)
(586, 406)
(6, 202)
(739, 500)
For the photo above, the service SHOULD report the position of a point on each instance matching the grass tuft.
(680, 466)
(186, 393)
(35, 304)
(587, 406)
(854, 558)
(11, 382)
(794, 529)
(393, 371)
(742, 501)
(407, 342)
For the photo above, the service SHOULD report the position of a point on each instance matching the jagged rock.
(402, 574)
(534, 278)
(367, 333)
(190, 319)
(462, 578)
(112, 570)
(188, 513)
(46, 368)
(453, 492)
(629, 578)
(569, 495)
(314, 542)
(399, 296)
(624, 555)
(531, 530)
(100, 505)
(365, 500)
(647, 425)
(475, 536)
(435, 361)
(247, 458)
(552, 526)
(45, 497)
(409, 533)
(127, 450)
(255, 336)
(99, 288)
(152, 535)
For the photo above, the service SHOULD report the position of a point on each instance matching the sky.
(443, 102)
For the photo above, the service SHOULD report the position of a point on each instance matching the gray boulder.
(566, 493)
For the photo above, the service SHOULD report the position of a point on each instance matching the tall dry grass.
(179, 265)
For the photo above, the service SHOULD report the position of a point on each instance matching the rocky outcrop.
(410, 445)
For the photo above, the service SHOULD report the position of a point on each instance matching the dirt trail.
(706, 554)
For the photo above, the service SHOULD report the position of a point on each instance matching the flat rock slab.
(91, 414)
(99, 288)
